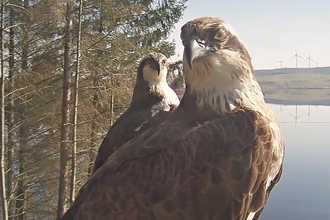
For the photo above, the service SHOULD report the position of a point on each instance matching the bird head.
(208, 39)
(151, 86)
(216, 64)
(153, 68)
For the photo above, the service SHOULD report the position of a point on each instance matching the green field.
(295, 86)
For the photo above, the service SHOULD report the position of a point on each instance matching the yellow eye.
(220, 35)
(164, 62)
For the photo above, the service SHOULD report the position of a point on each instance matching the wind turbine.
(296, 56)
(309, 112)
(280, 61)
(296, 116)
(309, 60)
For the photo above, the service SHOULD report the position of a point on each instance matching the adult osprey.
(152, 102)
(216, 157)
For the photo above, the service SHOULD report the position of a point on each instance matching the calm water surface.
(304, 190)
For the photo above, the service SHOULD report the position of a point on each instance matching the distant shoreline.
(292, 102)
(296, 86)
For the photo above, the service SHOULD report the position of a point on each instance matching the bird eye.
(164, 62)
(220, 35)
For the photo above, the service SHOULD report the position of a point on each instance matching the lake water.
(304, 190)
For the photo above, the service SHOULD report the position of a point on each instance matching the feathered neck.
(222, 86)
(144, 95)
(156, 96)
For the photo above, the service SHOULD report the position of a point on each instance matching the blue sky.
(271, 30)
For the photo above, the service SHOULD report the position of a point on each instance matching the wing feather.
(214, 169)
(128, 125)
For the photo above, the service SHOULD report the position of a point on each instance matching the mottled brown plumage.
(145, 110)
(215, 158)
(153, 101)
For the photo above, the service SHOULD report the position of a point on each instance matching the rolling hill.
(310, 86)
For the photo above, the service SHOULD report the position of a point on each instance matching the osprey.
(217, 156)
(152, 102)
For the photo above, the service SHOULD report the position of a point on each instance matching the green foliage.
(116, 34)
(176, 75)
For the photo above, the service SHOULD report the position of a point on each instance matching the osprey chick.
(152, 102)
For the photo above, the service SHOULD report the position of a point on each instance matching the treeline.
(67, 73)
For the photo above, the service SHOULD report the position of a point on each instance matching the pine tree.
(114, 36)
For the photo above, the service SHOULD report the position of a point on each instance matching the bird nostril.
(201, 44)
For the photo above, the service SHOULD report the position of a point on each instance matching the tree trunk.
(23, 129)
(22, 184)
(75, 110)
(61, 206)
(2, 118)
(2, 156)
(112, 101)
(93, 128)
(10, 117)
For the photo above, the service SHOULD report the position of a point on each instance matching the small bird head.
(153, 68)
(151, 89)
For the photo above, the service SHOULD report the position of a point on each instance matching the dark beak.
(158, 68)
(193, 48)
(155, 65)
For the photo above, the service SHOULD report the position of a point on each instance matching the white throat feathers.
(169, 97)
(152, 76)
(158, 84)
(223, 82)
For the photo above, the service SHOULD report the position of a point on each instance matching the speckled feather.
(125, 129)
(142, 113)
(171, 173)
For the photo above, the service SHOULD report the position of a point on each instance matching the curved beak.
(155, 65)
(158, 68)
(194, 48)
